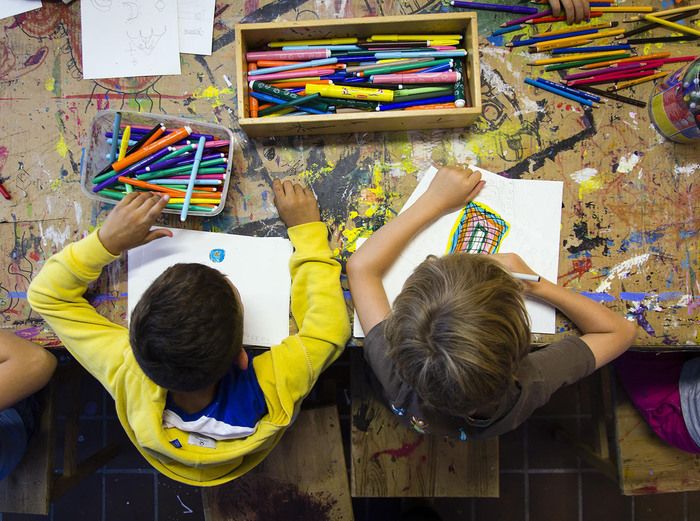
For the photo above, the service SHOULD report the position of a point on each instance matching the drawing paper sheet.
(196, 19)
(533, 211)
(124, 39)
(13, 7)
(257, 266)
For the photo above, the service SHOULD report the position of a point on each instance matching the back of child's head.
(187, 328)
(458, 331)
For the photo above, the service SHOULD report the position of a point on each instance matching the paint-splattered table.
(630, 225)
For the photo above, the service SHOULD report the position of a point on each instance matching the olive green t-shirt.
(540, 374)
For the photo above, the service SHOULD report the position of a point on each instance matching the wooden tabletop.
(629, 226)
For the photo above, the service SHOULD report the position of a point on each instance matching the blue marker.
(414, 103)
(438, 68)
(115, 132)
(193, 177)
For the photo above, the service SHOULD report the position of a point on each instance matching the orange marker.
(156, 135)
(146, 151)
(253, 105)
(434, 106)
(271, 63)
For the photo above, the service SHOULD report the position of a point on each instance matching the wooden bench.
(626, 450)
(304, 477)
(33, 485)
(391, 460)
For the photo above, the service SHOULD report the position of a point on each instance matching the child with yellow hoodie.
(190, 398)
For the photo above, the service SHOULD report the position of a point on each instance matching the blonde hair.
(458, 331)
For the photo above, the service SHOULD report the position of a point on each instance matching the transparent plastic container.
(97, 149)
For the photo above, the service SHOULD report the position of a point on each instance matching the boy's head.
(187, 329)
(458, 331)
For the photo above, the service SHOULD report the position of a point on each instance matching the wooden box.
(256, 36)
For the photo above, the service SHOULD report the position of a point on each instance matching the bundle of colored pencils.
(191, 168)
(614, 63)
(383, 72)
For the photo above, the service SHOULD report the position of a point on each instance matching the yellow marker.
(343, 92)
(412, 37)
(672, 25)
(194, 200)
(630, 83)
(122, 151)
(329, 41)
(577, 57)
(281, 112)
(616, 9)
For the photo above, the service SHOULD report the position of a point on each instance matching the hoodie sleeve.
(57, 294)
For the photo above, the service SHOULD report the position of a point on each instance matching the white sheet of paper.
(13, 7)
(196, 19)
(533, 211)
(125, 39)
(257, 266)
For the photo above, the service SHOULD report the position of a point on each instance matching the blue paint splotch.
(633, 295)
(639, 316)
(599, 297)
(217, 255)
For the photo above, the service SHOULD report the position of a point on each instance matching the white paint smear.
(583, 175)
(627, 164)
(622, 271)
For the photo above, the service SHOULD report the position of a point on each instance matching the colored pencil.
(678, 27)
(531, 41)
(523, 19)
(594, 48)
(609, 78)
(558, 43)
(675, 10)
(555, 45)
(551, 19)
(578, 57)
(559, 92)
(568, 89)
(662, 39)
(573, 65)
(494, 7)
(574, 28)
(615, 97)
(638, 81)
(625, 9)
(648, 57)
(647, 27)
(653, 64)
(508, 29)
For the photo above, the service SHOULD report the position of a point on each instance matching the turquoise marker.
(330, 47)
(420, 54)
(115, 132)
(193, 176)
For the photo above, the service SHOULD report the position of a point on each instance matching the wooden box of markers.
(250, 37)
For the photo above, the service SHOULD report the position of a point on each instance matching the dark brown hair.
(187, 329)
(458, 331)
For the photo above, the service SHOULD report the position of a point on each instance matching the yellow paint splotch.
(50, 84)
(316, 172)
(213, 94)
(61, 146)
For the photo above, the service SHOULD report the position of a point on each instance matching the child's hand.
(515, 264)
(129, 224)
(576, 10)
(295, 204)
(453, 187)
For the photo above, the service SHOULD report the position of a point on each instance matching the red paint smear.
(3, 157)
(580, 266)
(402, 452)
(650, 489)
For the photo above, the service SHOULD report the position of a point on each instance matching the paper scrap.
(125, 39)
(196, 21)
(13, 7)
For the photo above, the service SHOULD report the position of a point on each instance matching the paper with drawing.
(520, 216)
(196, 21)
(257, 266)
(124, 39)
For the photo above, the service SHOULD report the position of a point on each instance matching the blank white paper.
(257, 266)
(533, 211)
(13, 7)
(124, 39)
(196, 19)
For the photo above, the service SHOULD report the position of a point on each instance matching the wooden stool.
(33, 485)
(304, 477)
(626, 450)
(391, 460)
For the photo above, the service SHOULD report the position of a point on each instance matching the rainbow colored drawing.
(478, 229)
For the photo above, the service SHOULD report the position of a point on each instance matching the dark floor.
(541, 479)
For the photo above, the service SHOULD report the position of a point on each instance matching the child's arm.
(452, 187)
(606, 333)
(24, 368)
(317, 300)
(57, 292)
(576, 10)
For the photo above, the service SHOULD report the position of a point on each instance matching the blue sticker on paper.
(217, 255)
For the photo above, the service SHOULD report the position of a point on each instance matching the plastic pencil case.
(95, 157)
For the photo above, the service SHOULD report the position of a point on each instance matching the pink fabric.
(651, 381)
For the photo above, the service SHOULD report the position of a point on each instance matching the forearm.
(608, 334)
(380, 251)
(24, 368)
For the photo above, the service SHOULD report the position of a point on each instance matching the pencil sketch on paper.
(133, 11)
(478, 229)
(102, 5)
(147, 42)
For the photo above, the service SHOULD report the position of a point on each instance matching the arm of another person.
(57, 292)
(24, 368)
(452, 187)
(576, 11)
(606, 333)
(317, 299)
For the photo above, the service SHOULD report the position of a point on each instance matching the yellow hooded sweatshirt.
(286, 373)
